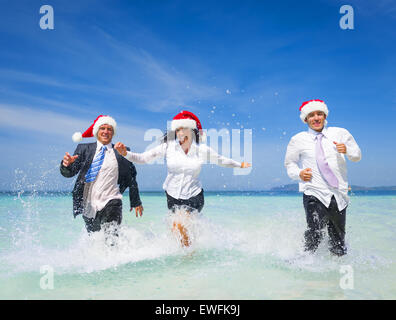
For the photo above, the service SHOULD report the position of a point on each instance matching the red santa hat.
(186, 119)
(92, 131)
(312, 105)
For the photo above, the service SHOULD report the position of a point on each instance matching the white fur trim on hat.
(104, 120)
(77, 137)
(183, 123)
(313, 106)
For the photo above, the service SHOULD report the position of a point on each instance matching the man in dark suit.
(103, 177)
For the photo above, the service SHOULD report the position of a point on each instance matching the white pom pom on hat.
(77, 137)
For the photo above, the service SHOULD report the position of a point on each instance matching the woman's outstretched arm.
(220, 160)
(141, 158)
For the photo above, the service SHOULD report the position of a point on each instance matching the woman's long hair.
(171, 135)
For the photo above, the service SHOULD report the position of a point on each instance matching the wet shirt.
(301, 154)
(104, 188)
(183, 169)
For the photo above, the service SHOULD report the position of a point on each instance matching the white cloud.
(157, 84)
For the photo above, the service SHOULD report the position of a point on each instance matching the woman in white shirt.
(184, 157)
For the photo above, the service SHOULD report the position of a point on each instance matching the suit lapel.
(121, 164)
(91, 152)
(118, 157)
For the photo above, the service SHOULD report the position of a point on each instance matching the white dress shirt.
(300, 155)
(183, 169)
(104, 188)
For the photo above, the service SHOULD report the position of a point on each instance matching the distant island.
(294, 188)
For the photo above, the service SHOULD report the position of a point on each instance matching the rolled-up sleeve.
(292, 159)
(352, 149)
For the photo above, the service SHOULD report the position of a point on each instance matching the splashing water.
(242, 247)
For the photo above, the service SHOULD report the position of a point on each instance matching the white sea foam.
(260, 236)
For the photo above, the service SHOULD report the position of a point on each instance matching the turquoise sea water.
(245, 246)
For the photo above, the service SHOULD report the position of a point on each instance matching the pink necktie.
(323, 166)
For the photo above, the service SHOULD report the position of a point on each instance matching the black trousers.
(318, 217)
(112, 212)
(196, 202)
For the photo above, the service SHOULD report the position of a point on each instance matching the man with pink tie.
(316, 158)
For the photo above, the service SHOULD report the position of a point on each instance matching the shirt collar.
(99, 145)
(314, 133)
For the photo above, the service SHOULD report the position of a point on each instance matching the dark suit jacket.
(86, 153)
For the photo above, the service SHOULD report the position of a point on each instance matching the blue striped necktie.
(95, 165)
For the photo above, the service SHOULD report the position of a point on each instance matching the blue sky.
(236, 64)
